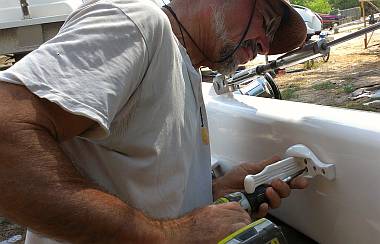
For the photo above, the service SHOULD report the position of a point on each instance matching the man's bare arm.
(40, 187)
(42, 190)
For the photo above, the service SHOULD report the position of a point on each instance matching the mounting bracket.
(299, 160)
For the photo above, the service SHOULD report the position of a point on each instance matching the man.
(102, 126)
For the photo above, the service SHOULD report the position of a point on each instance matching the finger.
(235, 206)
(273, 198)
(253, 168)
(299, 183)
(281, 188)
(238, 226)
(262, 211)
(236, 217)
(269, 161)
(246, 219)
(243, 217)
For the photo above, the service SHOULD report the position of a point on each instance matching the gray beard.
(229, 66)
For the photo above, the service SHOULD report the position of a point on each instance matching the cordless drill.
(262, 231)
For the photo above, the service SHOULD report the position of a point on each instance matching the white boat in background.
(312, 20)
(26, 24)
(347, 210)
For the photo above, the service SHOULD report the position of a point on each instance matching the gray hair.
(229, 66)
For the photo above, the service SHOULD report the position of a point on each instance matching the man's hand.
(233, 181)
(207, 225)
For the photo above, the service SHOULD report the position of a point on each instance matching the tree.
(325, 6)
(319, 6)
(344, 4)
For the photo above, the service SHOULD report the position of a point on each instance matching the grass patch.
(312, 64)
(290, 92)
(348, 88)
(324, 86)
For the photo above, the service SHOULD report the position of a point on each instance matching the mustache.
(230, 65)
(254, 45)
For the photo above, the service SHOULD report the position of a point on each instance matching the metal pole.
(365, 25)
(25, 9)
(348, 37)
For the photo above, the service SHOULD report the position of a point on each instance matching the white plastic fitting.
(298, 158)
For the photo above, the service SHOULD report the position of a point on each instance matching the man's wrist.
(217, 188)
(144, 230)
(179, 230)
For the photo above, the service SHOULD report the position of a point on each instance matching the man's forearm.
(42, 190)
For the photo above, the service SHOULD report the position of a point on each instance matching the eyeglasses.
(271, 27)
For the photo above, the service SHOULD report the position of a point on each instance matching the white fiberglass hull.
(346, 210)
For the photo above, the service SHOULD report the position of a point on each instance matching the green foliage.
(324, 86)
(312, 64)
(319, 6)
(325, 6)
(290, 92)
(348, 88)
(344, 4)
(299, 2)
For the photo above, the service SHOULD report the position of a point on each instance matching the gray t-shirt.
(119, 63)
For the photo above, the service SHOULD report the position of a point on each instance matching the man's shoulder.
(143, 12)
(148, 16)
(141, 17)
(149, 6)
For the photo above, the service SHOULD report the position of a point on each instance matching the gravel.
(9, 230)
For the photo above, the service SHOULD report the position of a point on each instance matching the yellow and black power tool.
(262, 231)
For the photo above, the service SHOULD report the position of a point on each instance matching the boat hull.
(346, 210)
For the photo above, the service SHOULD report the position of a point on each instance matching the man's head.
(217, 27)
(275, 28)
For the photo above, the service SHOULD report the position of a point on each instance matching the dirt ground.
(334, 83)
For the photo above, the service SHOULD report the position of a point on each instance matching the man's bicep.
(21, 107)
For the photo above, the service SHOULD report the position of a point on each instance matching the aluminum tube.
(353, 35)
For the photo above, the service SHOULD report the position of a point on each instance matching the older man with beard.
(103, 127)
